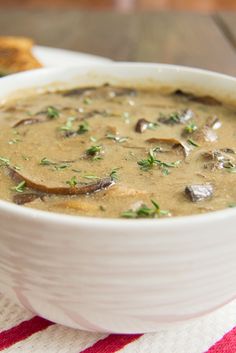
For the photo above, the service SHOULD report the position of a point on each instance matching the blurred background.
(199, 33)
(126, 5)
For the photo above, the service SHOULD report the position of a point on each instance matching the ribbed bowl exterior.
(116, 275)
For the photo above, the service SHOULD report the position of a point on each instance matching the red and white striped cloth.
(20, 331)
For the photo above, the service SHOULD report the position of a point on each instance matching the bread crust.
(16, 55)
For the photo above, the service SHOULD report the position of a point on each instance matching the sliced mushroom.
(208, 100)
(175, 145)
(199, 192)
(120, 92)
(29, 121)
(62, 190)
(177, 117)
(22, 199)
(78, 91)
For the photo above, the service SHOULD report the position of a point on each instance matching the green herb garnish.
(93, 150)
(13, 141)
(151, 161)
(69, 124)
(76, 170)
(146, 212)
(26, 158)
(20, 187)
(87, 101)
(45, 161)
(83, 127)
(232, 205)
(93, 139)
(52, 112)
(72, 182)
(190, 128)
(4, 161)
(231, 167)
(113, 174)
(116, 138)
(147, 164)
(193, 143)
(175, 117)
(91, 177)
(61, 166)
(57, 166)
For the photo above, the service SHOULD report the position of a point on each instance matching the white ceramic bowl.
(118, 275)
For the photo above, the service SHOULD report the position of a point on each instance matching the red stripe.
(227, 344)
(111, 344)
(22, 331)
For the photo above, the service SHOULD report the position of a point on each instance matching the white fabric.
(194, 337)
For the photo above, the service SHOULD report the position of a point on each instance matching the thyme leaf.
(72, 182)
(113, 174)
(45, 161)
(94, 150)
(20, 187)
(4, 161)
(83, 128)
(52, 112)
(232, 205)
(146, 212)
(116, 138)
(193, 143)
(69, 124)
(190, 128)
(91, 177)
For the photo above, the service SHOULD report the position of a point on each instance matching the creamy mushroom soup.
(118, 152)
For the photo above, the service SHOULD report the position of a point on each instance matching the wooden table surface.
(205, 41)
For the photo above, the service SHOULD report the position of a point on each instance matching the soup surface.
(118, 152)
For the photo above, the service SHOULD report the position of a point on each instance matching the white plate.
(54, 57)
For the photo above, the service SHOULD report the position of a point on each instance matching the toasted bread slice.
(16, 55)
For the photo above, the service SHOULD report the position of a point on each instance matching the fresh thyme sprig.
(151, 161)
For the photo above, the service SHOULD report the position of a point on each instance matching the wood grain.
(169, 37)
(186, 39)
(199, 5)
(227, 23)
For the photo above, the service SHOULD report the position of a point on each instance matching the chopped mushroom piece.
(141, 125)
(213, 122)
(199, 192)
(218, 159)
(204, 134)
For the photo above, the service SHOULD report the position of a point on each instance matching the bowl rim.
(51, 217)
